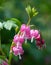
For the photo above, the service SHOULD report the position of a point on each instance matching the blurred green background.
(16, 9)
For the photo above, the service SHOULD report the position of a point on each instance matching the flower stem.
(29, 21)
(10, 58)
(10, 55)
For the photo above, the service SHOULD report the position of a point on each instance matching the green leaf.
(15, 58)
(2, 57)
(28, 9)
(9, 24)
(31, 11)
(34, 12)
(16, 21)
(6, 48)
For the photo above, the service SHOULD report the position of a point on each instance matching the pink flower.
(26, 32)
(4, 62)
(38, 37)
(40, 43)
(18, 38)
(23, 27)
(34, 34)
(18, 50)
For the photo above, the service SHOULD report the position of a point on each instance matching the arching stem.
(29, 20)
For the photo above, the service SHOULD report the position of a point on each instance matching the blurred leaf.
(1, 25)
(15, 58)
(28, 9)
(16, 21)
(34, 12)
(2, 57)
(9, 24)
(6, 49)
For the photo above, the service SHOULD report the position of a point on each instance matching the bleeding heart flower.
(40, 43)
(18, 38)
(18, 50)
(34, 34)
(23, 27)
(26, 32)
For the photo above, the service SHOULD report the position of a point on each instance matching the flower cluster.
(17, 49)
(26, 34)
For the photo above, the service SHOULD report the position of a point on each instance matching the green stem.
(10, 58)
(10, 55)
(29, 21)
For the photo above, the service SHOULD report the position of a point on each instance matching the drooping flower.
(40, 43)
(23, 27)
(26, 32)
(38, 37)
(34, 34)
(18, 38)
(18, 50)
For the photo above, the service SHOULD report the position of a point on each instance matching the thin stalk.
(10, 58)
(10, 55)
(29, 21)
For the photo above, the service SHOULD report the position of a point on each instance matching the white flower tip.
(31, 39)
(25, 40)
(10, 51)
(20, 57)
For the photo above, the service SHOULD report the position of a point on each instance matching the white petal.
(17, 44)
(32, 39)
(19, 56)
(25, 40)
